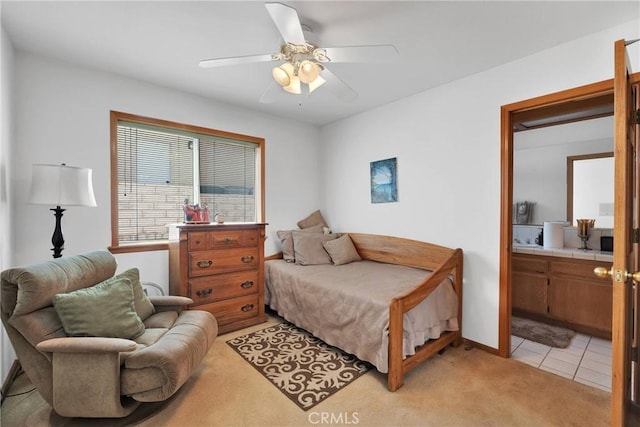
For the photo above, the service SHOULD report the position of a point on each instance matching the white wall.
(6, 136)
(62, 115)
(447, 141)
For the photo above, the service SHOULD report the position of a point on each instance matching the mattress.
(347, 306)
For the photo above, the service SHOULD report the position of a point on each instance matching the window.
(157, 165)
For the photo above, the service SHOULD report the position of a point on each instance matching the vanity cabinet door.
(582, 302)
(530, 282)
(578, 297)
(529, 292)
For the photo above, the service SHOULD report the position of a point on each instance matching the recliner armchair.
(88, 376)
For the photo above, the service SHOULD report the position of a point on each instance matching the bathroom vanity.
(559, 287)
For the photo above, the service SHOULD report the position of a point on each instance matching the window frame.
(116, 116)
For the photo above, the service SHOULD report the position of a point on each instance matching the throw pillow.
(308, 248)
(143, 305)
(341, 250)
(314, 218)
(104, 310)
(286, 241)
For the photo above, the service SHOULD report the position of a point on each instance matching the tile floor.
(587, 360)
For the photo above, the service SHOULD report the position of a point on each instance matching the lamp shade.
(61, 185)
(308, 71)
(281, 76)
(294, 86)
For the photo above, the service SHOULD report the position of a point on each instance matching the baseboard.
(469, 344)
(11, 377)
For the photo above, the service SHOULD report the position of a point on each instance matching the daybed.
(93, 344)
(395, 307)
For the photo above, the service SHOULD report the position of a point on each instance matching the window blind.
(155, 168)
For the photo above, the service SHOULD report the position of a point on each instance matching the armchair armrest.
(86, 345)
(86, 376)
(170, 303)
(159, 301)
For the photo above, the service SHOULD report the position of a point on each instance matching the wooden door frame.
(508, 114)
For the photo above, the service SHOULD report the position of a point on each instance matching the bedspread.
(347, 306)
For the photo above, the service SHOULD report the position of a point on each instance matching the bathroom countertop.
(564, 252)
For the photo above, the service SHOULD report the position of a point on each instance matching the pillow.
(141, 301)
(286, 241)
(315, 218)
(341, 250)
(104, 310)
(308, 248)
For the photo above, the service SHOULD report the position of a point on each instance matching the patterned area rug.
(553, 336)
(303, 367)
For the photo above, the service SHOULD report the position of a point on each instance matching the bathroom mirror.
(540, 164)
(590, 188)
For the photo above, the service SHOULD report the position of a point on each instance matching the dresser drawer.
(204, 263)
(223, 286)
(198, 240)
(233, 239)
(232, 310)
(222, 239)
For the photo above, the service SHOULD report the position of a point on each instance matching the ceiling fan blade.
(271, 93)
(287, 21)
(339, 88)
(374, 53)
(234, 60)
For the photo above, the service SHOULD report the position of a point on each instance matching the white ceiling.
(162, 41)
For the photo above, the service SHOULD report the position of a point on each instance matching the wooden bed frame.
(444, 262)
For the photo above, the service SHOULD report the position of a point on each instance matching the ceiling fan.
(305, 65)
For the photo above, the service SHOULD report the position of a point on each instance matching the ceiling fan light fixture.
(308, 71)
(281, 76)
(316, 84)
(294, 86)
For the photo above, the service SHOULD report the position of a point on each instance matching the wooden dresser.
(220, 267)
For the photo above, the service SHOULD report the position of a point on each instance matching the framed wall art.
(384, 181)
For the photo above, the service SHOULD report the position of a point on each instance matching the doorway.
(581, 103)
(626, 86)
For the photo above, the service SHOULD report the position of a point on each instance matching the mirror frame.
(570, 161)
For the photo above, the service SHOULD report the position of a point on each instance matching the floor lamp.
(61, 185)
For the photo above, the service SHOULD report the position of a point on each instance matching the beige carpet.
(458, 388)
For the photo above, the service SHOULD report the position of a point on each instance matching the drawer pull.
(197, 242)
(247, 259)
(247, 307)
(227, 239)
(246, 285)
(204, 292)
(204, 264)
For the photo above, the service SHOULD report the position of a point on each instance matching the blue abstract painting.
(384, 181)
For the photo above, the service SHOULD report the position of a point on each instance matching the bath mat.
(301, 366)
(554, 336)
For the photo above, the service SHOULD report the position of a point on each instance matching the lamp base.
(57, 239)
